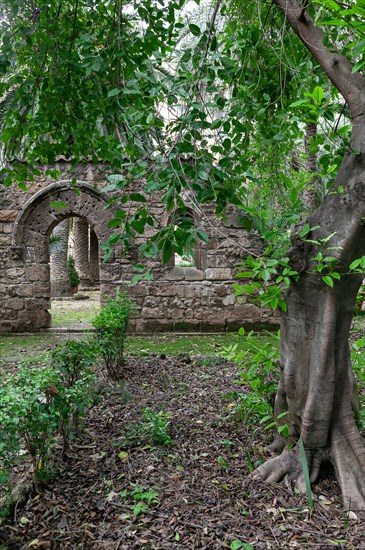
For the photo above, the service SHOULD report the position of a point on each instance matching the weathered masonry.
(197, 298)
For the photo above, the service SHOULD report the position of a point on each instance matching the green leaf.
(328, 280)
(194, 29)
(202, 236)
(308, 487)
(318, 95)
(114, 92)
(137, 197)
(359, 49)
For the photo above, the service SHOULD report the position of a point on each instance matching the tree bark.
(317, 383)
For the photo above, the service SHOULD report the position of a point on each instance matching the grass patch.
(63, 318)
(34, 347)
(172, 344)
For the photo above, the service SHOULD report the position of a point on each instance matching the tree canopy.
(225, 107)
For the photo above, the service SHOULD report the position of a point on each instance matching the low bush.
(39, 404)
(258, 362)
(73, 360)
(111, 326)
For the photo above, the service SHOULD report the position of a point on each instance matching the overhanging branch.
(336, 66)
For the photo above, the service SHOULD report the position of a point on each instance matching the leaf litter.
(119, 490)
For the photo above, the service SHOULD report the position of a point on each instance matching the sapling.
(111, 326)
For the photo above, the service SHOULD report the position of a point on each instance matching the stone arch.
(32, 228)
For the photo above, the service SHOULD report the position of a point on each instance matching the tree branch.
(336, 66)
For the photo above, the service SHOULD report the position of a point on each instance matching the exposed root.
(347, 454)
(348, 458)
(288, 465)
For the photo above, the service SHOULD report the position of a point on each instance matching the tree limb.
(336, 66)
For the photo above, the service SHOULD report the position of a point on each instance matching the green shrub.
(74, 360)
(38, 404)
(111, 326)
(156, 425)
(258, 361)
(30, 417)
(73, 276)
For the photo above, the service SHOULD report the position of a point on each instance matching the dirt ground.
(120, 490)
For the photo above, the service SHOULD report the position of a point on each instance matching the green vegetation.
(73, 276)
(111, 326)
(156, 426)
(258, 360)
(142, 498)
(37, 404)
(153, 430)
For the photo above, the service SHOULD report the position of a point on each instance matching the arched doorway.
(33, 227)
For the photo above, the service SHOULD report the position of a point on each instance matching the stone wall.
(196, 299)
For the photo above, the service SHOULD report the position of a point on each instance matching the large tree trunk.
(317, 384)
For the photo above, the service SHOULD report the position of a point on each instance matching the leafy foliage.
(73, 276)
(156, 425)
(111, 326)
(259, 373)
(37, 404)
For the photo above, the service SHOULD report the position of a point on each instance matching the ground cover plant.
(40, 404)
(164, 462)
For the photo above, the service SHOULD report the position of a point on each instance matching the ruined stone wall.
(179, 299)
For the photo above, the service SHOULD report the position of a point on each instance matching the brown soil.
(205, 497)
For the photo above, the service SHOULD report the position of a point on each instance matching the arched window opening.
(190, 255)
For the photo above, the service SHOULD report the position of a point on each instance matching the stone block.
(229, 300)
(187, 326)
(221, 290)
(9, 314)
(246, 311)
(17, 273)
(235, 325)
(150, 313)
(37, 303)
(217, 326)
(37, 273)
(40, 319)
(14, 304)
(138, 290)
(193, 274)
(158, 325)
(8, 326)
(188, 291)
(19, 291)
(218, 274)
(41, 289)
(175, 274)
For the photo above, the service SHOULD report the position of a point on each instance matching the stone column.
(81, 243)
(58, 259)
(94, 258)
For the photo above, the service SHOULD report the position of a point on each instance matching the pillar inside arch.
(58, 260)
(82, 251)
(94, 258)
